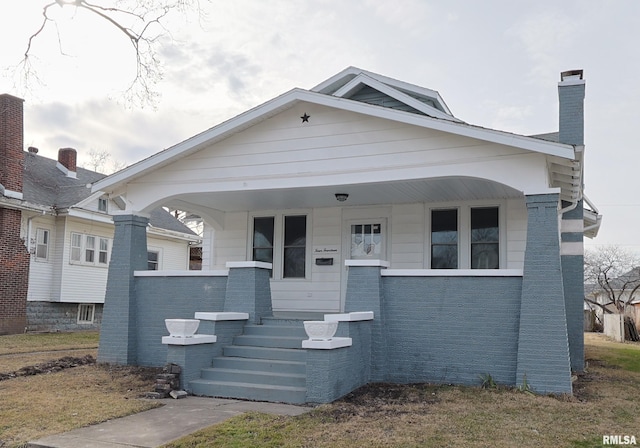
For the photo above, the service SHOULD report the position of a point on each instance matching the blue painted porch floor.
(265, 363)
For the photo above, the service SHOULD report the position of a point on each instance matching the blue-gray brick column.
(128, 254)
(249, 291)
(572, 258)
(365, 293)
(571, 94)
(543, 347)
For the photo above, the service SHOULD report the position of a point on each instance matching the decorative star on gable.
(305, 118)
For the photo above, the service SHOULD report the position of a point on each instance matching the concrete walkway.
(155, 427)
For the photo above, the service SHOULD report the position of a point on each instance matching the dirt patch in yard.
(57, 365)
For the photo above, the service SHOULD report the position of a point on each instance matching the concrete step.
(263, 365)
(283, 354)
(254, 377)
(249, 391)
(269, 341)
(275, 330)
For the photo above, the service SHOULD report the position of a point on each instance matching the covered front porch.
(429, 325)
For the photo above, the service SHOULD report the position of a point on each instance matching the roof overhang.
(295, 96)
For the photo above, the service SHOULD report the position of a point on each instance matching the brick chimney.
(14, 258)
(571, 90)
(67, 161)
(11, 142)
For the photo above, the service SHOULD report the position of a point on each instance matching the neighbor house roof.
(46, 185)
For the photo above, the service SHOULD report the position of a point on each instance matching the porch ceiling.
(427, 190)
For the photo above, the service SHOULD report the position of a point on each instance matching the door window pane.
(366, 241)
(295, 243)
(444, 239)
(485, 234)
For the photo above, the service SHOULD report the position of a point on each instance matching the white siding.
(81, 283)
(41, 272)
(516, 233)
(336, 148)
(174, 255)
(408, 245)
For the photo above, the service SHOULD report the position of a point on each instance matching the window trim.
(89, 309)
(277, 273)
(83, 250)
(103, 200)
(42, 231)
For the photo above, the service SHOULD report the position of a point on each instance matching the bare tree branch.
(140, 22)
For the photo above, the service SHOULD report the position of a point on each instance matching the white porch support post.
(543, 347)
(118, 336)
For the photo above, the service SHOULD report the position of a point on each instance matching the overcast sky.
(496, 63)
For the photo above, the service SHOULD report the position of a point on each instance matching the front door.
(363, 239)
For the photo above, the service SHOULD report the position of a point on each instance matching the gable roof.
(44, 184)
(409, 104)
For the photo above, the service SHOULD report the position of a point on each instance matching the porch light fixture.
(341, 197)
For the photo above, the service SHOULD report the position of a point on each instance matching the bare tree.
(141, 22)
(614, 273)
(103, 162)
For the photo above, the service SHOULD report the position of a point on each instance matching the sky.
(496, 63)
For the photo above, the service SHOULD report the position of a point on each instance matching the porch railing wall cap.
(196, 339)
(218, 316)
(354, 316)
(368, 263)
(249, 264)
(452, 273)
(176, 273)
(328, 344)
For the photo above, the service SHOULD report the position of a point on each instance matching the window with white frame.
(89, 250)
(153, 260)
(86, 313)
(102, 204)
(465, 237)
(282, 240)
(42, 244)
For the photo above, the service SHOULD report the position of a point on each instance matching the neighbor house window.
(103, 253)
(76, 247)
(89, 250)
(444, 239)
(42, 244)
(485, 238)
(153, 260)
(282, 241)
(86, 313)
(102, 204)
(295, 244)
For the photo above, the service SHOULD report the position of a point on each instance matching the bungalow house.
(57, 237)
(446, 251)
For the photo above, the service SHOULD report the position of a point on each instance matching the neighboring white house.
(68, 232)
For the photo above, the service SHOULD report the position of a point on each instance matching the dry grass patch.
(36, 406)
(605, 402)
(38, 342)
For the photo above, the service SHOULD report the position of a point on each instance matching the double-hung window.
(485, 238)
(89, 250)
(42, 244)
(465, 237)
(282, 241)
